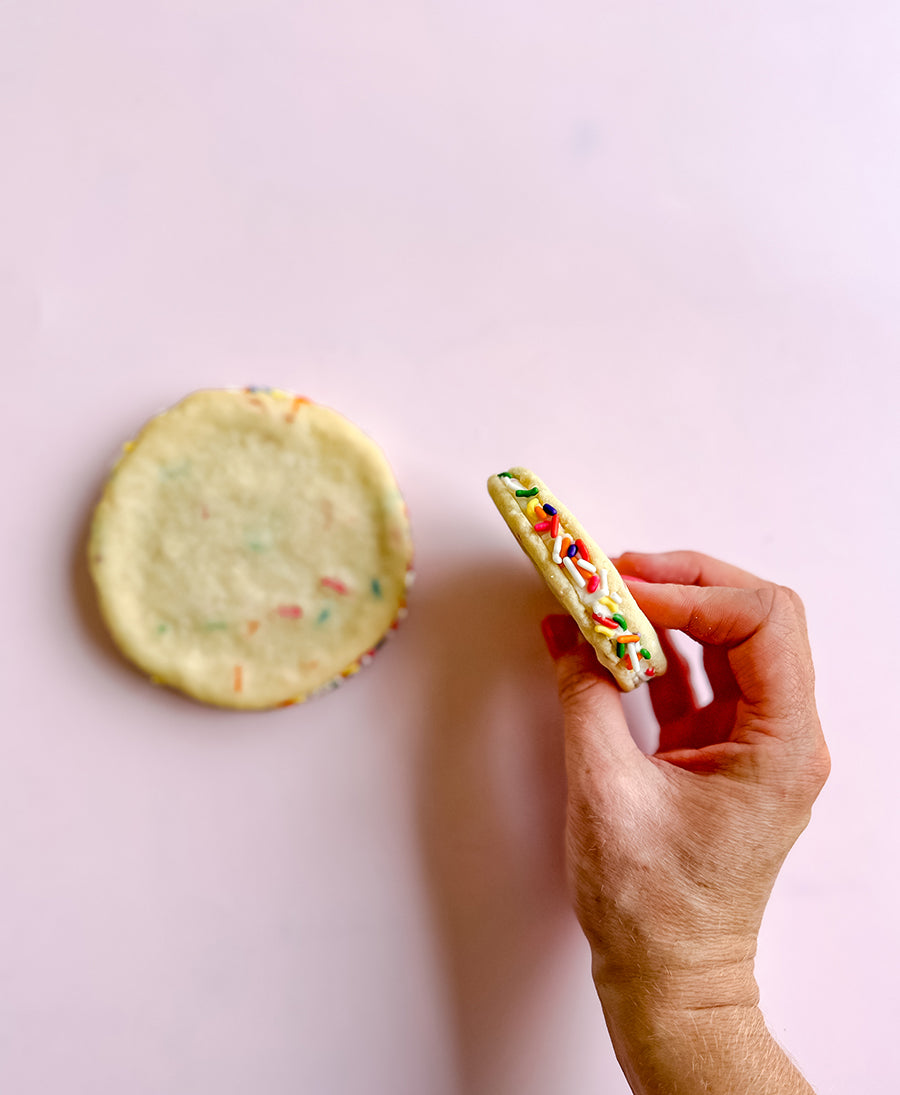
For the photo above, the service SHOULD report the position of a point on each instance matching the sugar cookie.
(581, 577)
(251, 548)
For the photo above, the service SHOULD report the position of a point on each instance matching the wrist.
(689, 973)
(668, 992)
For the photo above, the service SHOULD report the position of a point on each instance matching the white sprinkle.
(557, 544)
(572, 569)
(604, 587)
(616, 598)
(583, 564)
(634, 657)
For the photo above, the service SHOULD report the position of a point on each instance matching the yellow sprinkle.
(128, 446)
(610, 603)
(604, 631)
(533, 503)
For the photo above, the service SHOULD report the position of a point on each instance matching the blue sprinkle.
(323, 616)
(571, 551)
(549, 509)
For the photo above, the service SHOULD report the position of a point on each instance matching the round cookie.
(581, 577)
(251, 548)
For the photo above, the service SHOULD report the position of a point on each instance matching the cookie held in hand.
(251, 548)
(581, 578)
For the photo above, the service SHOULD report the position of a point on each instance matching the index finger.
(764, 635)
(687, 568)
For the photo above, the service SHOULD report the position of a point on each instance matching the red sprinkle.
(583, 551)
(650, 673)
(604, 621)
(554, 525)
(593, 583)
(335, 584)
(542, 526)
(290, 612)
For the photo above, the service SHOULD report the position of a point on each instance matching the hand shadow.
(492, 803)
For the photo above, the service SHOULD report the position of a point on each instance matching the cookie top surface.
(250, 548)
(581, 577)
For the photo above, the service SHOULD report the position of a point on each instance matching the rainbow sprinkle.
(572, 556)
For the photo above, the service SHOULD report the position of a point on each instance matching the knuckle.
(574, 688)
(820, 767)
(791, 597)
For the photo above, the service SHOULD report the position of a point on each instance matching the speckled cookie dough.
(580, 576)
(251, 548)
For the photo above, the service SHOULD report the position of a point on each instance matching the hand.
(673, 856)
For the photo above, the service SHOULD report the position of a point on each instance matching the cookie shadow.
(491, 803)
(84, 595)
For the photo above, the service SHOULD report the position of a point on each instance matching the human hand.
(672, 857)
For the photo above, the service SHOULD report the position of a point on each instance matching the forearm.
(668, 1048)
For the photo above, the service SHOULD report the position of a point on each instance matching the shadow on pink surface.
(492, 807)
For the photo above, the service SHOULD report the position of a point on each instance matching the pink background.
(651, 250)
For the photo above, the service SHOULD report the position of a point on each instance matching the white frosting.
(589, 599)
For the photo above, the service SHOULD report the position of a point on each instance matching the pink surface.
(650, 251)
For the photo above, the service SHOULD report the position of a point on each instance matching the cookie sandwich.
(581, 577)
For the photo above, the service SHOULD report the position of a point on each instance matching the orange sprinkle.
(238, 678)
(627, 638)
(252, 627)
(297, 402)
(564, 546)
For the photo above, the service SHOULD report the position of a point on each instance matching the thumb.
(595, 728)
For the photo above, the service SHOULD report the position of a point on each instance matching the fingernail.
(631, 578)
(560, 634)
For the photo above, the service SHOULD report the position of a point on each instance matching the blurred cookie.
(581, 577)
(251, 548)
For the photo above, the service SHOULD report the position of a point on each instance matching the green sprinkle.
(504, 474)
(620, 650)
(376, 587)
(527, 493)
(175, 471)
(323, 615)
(161, 629)
(645, 654)
(215, 625)
(620, 620)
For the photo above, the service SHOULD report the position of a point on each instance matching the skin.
(672, 857)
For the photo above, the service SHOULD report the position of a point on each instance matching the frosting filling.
(590, 583)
